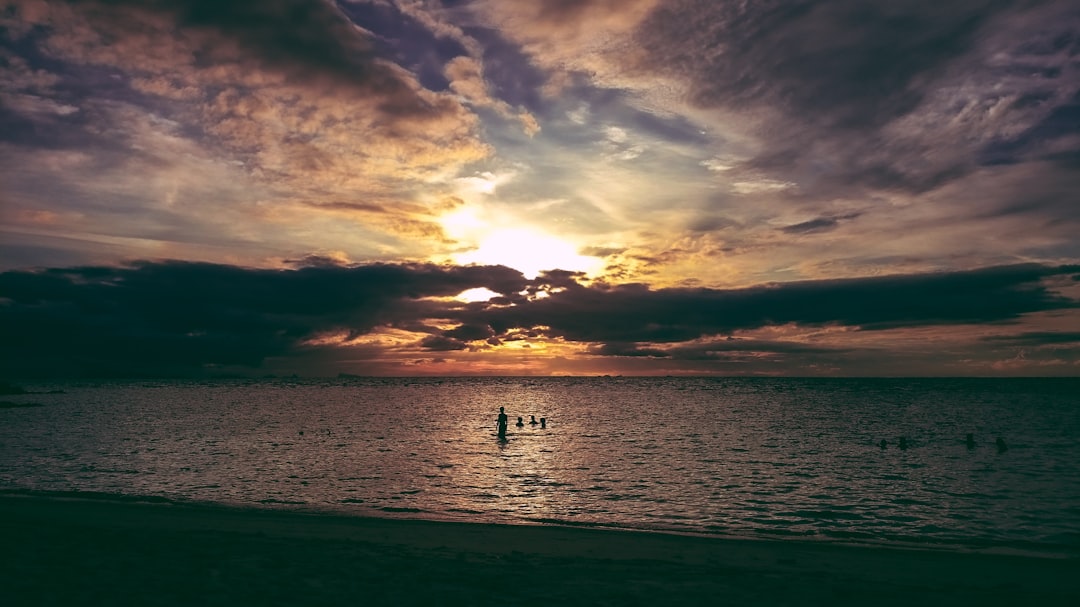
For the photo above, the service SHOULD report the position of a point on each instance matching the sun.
(529, 252)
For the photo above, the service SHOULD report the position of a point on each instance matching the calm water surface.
(748, 457)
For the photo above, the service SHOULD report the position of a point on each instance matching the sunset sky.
(426, 187)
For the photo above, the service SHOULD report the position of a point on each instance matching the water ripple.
(778, 457)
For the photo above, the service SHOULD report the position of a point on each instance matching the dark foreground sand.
(58, 551)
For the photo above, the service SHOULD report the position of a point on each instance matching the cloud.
(1037, 338)
(887, 96)
(635, 313)
(300, 40)
(720, 349)
(713, 349)
(824, 101)
(289, 95)
(845, 64)
(820, 224)
(175, 318)
(699, 143)
(466, 79)
(169, 318)
(563, 36)
(471, 333)
(438, 343)
(627, 350)
(799, 114)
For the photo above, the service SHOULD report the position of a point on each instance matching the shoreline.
(66, 549)
(1037, 551)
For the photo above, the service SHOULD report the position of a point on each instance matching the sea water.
(727, 456)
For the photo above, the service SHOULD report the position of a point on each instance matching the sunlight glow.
(529, 252)
(461, 222)
(482, 183)
(477, 294)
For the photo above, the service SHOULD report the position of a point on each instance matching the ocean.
(744, 457)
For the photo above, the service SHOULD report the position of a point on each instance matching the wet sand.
(62, 551)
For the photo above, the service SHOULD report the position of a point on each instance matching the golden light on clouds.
(359, 185)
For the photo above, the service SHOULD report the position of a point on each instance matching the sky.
(553, 187)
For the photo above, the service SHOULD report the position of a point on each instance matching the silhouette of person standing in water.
(503, 420)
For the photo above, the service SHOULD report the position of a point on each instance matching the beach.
(69, 550)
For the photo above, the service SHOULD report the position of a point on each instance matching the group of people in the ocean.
(503, 421)
(969, 441)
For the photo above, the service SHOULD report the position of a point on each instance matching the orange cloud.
(318, 122)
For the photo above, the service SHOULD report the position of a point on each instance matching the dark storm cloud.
(470, 332)
(176, 318)
(846, 63)
(309, 41)
(304, 37)
(438, 343)
(902, 96)
(631, 350)
(635, 313)
(1036, 338)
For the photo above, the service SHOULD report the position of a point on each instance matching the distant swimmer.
(903, 443)
(501, 424)
(1001, 446)
(543, 422)
(970, 441)
(883, 444)
(520, 423)
(532, 420)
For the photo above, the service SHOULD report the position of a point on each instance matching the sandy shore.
(59, 551)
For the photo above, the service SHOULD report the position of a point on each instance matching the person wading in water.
(502, 424)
